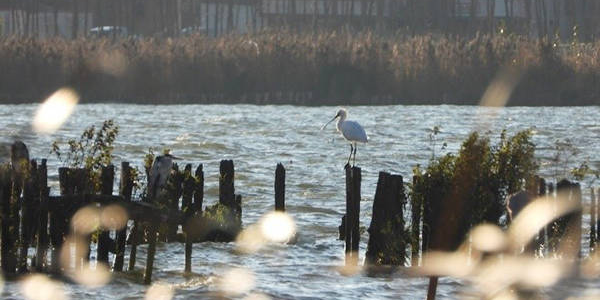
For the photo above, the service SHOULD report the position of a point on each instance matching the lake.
(257, 138)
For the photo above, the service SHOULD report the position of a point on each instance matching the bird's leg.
(354, 159)
(351, 148)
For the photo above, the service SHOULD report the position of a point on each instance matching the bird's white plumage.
(352, 131)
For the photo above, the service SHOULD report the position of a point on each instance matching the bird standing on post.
(351, 131)
(159, 173)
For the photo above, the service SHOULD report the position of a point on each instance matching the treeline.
(305, 69)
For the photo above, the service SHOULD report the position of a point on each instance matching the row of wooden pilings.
(33, 218)
(40, 220)
(390, 244)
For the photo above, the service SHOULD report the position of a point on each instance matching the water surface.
(257, 138)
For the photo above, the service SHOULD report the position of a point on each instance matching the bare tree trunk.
(86, 9)
(75, 19)
(55, 21)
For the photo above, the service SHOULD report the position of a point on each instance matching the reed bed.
(306, 69)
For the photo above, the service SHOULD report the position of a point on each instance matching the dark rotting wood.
(187, 208)
(107, 178)
(8, 252)
(415, 223)
(226, 183)
(352, 236)
(174, 192)
(280, 188)
(578, 222)
(58, 219)
(593, 219)
(431, 289)
(356, 181)
(42, 237)
(28, 207)
(199, 189)
(152, 236)
(568, 227)
(597, 225)
(134, 242)
(387, 240)
(125, 190)
(349, 206)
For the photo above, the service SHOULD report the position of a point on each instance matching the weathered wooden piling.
(352, 235)
(152, 236)
(387, 240)
(107, 177)
(188, 210)
(597, 224)
(593, 219)
(226, 187)
(568, 228)
(10, 224)
(174, 191)
(280, 188)
(415, 223)
(125, 190)
(28, 207)
(199, 189)
(133, 247)
(42, 237)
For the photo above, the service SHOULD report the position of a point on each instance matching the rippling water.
(257, 138)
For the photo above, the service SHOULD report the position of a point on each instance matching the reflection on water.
(257, 138)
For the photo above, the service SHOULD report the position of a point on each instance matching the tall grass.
(308, 69)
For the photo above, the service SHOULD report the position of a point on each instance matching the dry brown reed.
(307, 69)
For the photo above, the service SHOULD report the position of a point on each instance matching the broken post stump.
(593, 219)
(10, 224)
(42, 237)
(29, 205)
(152, 236)
(280, 188)
(107, 177)
(224, 218)
(125, 190)
(352, 235)
(415, 223)
(188, 210)
(387, 240)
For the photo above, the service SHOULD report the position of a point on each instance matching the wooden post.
(593, 220)
(29, 205)
(199, 189)
(432, 288)
(174, 193)
(578, 222)
(280, 188)
(107, 178)
(134, 242)
(353, 180)
(152, 230)
(415, 223)
(42, 238)
(58, 220)
(188, 210)
(226, 186)
(8, 252)
(597, 214)
(551, 228)
(125, 189)
(387, 243)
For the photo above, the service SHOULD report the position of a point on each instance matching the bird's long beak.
(328, 122)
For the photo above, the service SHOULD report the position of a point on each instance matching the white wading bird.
(351, 130)
(161, 169)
